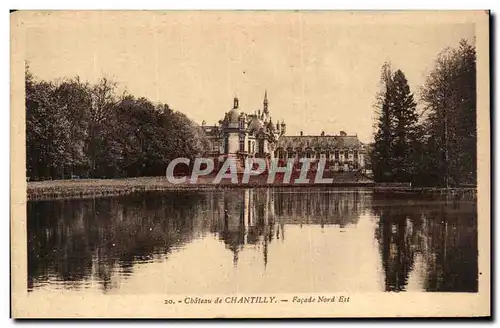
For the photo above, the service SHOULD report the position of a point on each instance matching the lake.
(289, 240)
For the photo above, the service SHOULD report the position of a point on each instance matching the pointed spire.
(265, 102)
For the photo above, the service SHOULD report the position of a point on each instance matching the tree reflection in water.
(79, 243)
(443, 232)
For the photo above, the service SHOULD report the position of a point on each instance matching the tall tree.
(47, 130)
(74, 100)
(405, 129)
(449, 96)
(382, 149)
(393, 157)
(103, 95)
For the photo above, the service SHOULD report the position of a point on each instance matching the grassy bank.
(53, 189)
(83, 188)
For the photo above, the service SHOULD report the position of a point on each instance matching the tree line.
(79, 129)
(434, 145)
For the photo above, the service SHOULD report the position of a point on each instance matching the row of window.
(312, 154)
(251, 145)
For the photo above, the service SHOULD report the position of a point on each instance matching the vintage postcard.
(250, 164)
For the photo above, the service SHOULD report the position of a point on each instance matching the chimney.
(301, 133)
(283, 127)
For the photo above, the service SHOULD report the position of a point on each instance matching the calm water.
(252, 241)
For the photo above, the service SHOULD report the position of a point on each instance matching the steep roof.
(319, 141)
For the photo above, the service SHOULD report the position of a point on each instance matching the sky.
(321, 70)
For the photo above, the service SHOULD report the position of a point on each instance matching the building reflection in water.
(248, 219)
(257, 216)
(425, 244)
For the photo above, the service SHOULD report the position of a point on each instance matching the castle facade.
(240, 135)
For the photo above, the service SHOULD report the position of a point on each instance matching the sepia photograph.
(250, 164)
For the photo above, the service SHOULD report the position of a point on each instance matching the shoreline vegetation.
(89, 188)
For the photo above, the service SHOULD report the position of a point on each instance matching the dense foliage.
(75, 128)
(438, 145)
(393, 155)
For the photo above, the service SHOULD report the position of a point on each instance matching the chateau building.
(239, 135)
